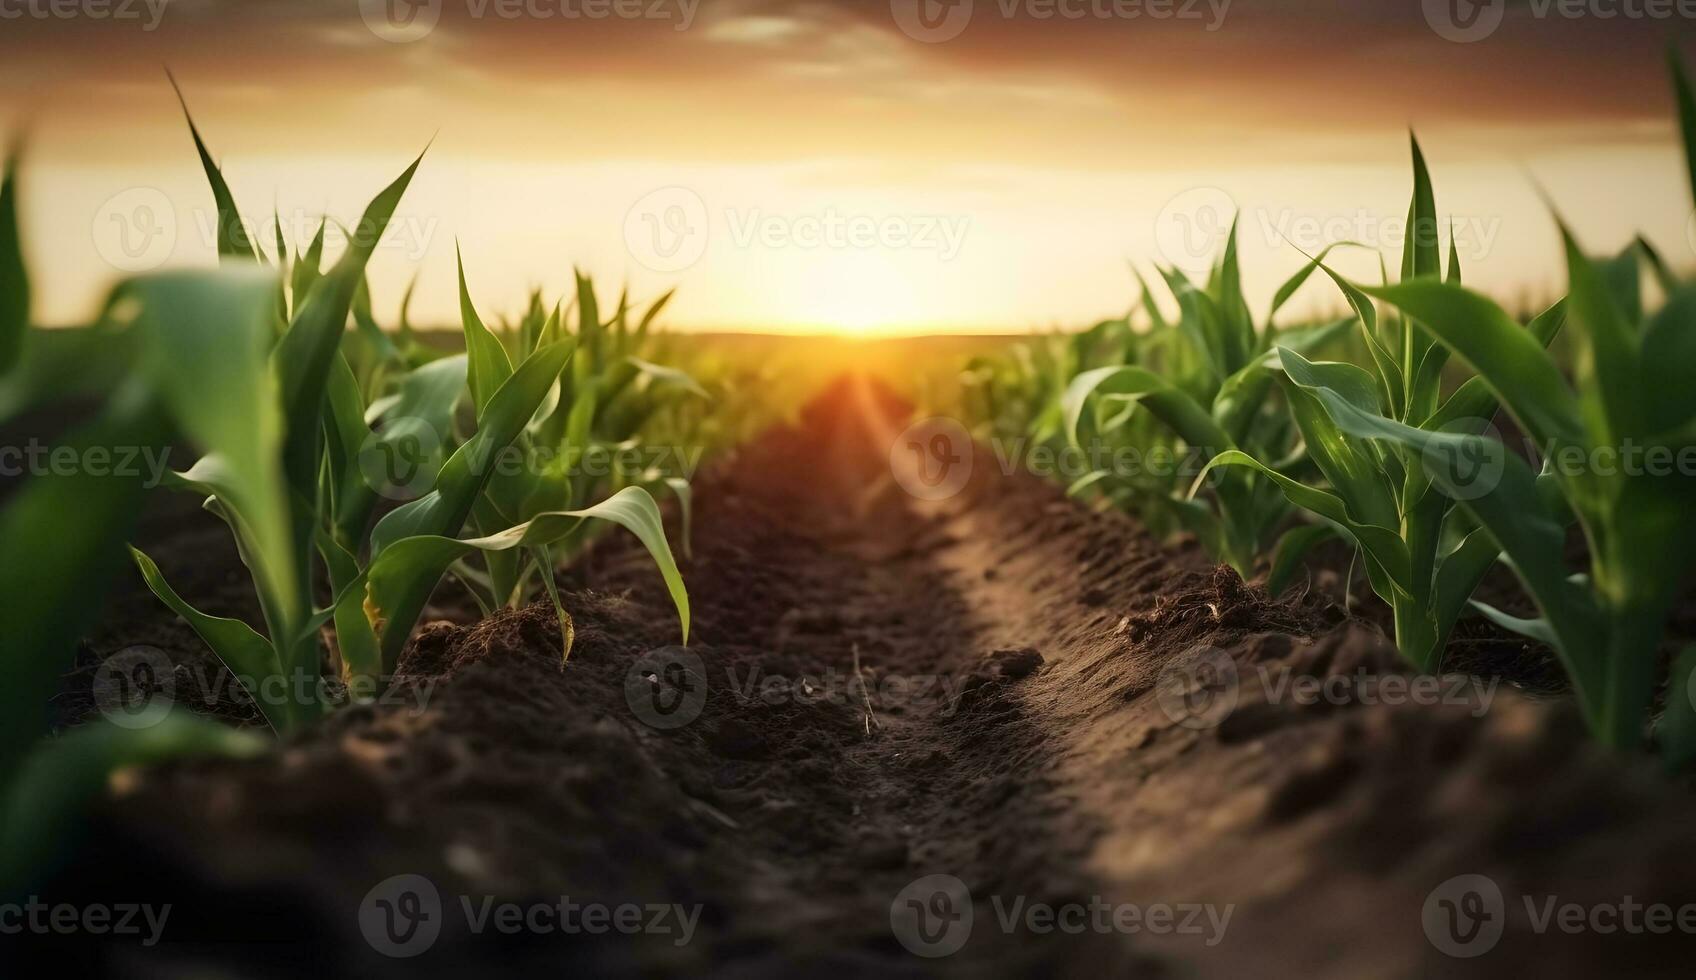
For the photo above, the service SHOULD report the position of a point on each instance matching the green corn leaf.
(345, 432)
(1605, 364)
(1173, 407)
(489, 365)
(205, 345)
(1527, 533)
(243, 650)
(1474, 401)
(1421, 247)
(1383, 547)
(1539, 629)
(567, 628)
(646, 323)
(1509, 359)
(1295, 282)
(1356, 471)
(1669, 361)
(233, 240)
(1389, 371)
(445, 509)
(1457, 578)
(303, 357)
(307, 268)
(397, 583)
(685, 510)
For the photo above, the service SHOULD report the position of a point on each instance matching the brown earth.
(1000, 687)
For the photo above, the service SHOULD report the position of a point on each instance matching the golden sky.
(880, 166)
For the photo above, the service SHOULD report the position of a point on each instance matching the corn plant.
(1204, 378)
(283, 466)
(1629, 388)
(1422, 556)
(589, 414)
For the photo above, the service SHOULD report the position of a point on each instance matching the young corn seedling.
(588, 417)
(283, 467)
(1422, 556)
(1629, 389)
(1205, 379)
(264, 450)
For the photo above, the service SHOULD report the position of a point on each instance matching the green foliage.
(1204, 379)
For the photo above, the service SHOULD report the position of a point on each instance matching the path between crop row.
(917, 730)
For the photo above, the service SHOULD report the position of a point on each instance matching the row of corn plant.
(1394, 455)
(296, 494)
(275, 371)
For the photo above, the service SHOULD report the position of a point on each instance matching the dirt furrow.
(985, 731)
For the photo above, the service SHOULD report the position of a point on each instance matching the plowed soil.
(995, 733)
